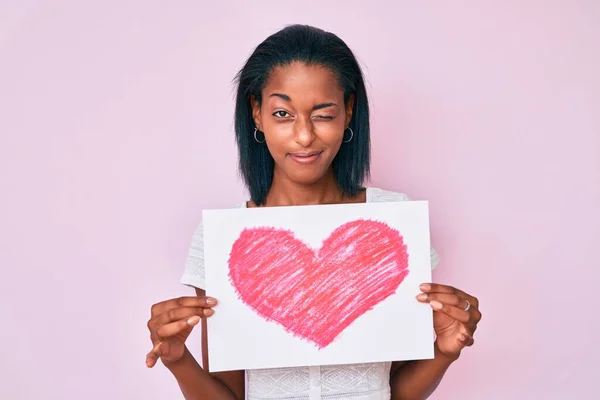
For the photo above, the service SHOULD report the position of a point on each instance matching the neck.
(284, 192)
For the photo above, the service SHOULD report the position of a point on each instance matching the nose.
(304, 132)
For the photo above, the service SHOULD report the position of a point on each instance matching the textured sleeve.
(193, 273)
(435, 259)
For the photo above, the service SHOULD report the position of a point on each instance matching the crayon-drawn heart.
(316, 294)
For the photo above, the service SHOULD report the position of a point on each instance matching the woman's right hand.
(171, 323)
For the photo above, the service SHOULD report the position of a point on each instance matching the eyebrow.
(315, 108)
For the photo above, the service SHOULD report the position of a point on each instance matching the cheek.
(330, 132)
(277, 146)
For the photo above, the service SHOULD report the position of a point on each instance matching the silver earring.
(351, 135)
(255, 138)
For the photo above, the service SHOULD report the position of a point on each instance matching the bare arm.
(195, 383)
(418, 379)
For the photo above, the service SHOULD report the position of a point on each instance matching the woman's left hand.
(455, 317)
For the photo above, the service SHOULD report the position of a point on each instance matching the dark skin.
(303, 117)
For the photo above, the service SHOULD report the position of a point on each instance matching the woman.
(302, 130)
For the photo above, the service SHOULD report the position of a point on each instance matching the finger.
(452, 311)
(477, 315)
(185, 301)
(154, 355)
(450, 299)
(176, 327)
(439, 288)
(468, 329)
(475, 318)
(465, 340)
(471, 327)
(177, 314)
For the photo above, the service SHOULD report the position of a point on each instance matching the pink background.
(116, 131)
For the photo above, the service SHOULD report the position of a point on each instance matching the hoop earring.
(255, 138)
(351, 135)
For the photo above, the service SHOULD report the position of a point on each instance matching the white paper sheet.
(317, 285)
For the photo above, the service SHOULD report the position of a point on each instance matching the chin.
(307, 178)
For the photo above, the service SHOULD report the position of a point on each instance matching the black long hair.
(312, 46)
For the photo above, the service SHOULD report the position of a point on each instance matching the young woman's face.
(303, 118)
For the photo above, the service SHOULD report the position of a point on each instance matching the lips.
(305, 157)
(312, 153)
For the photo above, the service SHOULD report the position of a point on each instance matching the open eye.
(281, 114)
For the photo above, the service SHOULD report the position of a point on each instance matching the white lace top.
(354, 382)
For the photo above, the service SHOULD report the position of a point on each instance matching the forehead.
(303, 80)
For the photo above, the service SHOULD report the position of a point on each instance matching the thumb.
(156, 352)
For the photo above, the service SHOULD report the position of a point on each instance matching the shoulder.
(377, 195)
(193, 274)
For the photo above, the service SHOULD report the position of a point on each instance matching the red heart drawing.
(316, 294)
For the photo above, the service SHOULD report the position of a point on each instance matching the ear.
(349, 108)
(255, 110)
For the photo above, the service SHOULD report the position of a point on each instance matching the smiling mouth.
(306, 158)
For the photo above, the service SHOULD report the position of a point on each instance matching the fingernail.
(193, 320)
(208, 312)
(210, 301)
(422, 297)
(436, 305)
(425, 286)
